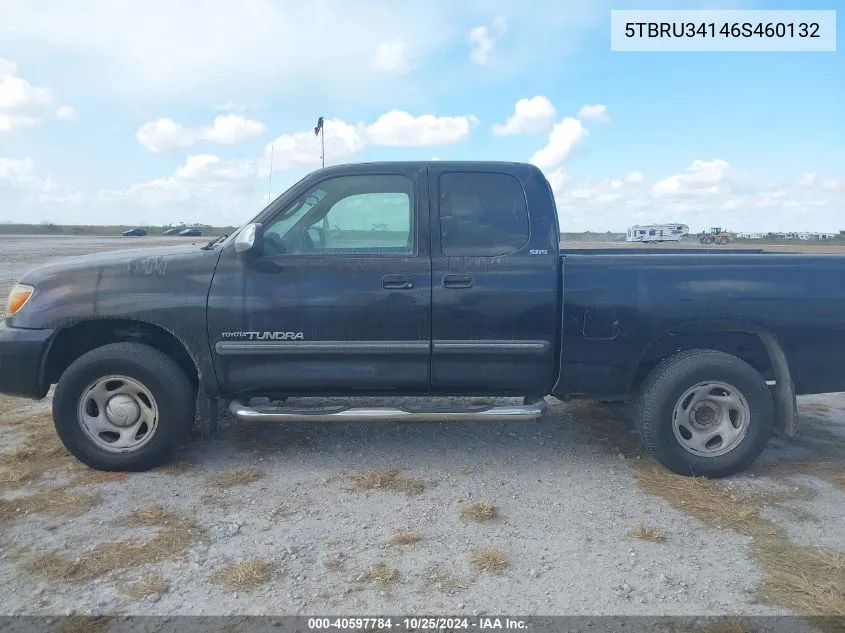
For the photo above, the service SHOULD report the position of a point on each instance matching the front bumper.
(22, 354)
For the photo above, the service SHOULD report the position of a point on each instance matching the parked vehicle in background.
(192, 232)
(172, 231)
(461, 289)
(715, 236)
(136, 232)
(654, 233)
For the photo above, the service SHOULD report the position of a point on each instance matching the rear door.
(495, 281)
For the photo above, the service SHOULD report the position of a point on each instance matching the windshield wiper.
(208, 246)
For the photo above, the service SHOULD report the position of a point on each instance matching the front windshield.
(294, 213)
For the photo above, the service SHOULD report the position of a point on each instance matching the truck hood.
(142, 261)
(148, 284)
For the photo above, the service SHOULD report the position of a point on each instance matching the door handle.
(457, 281)
(397, 282)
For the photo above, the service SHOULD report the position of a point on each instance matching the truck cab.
(377, 279)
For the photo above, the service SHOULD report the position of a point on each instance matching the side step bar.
(245, 413)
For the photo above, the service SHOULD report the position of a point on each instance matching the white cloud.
(832, 185)
(392, 56)
(165, 134)
(702, 178)
(708, 193)
(66, 113)
(400, 128)
(22, 105)
(484, 40)
(16, 171)
(562, 140)
(343, 140)
(232, 129)
(302, 149)
(205, 188)
(596, 112)
(808, 180)
(536, 114)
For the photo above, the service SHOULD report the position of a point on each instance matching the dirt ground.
(560, 516)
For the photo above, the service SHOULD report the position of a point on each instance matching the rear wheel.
(708, 240)
(123, 406)
(704, 412)
(723, 240)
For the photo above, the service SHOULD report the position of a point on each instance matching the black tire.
(667, 383)
(172, 394)
(723, 240)
(708, 240)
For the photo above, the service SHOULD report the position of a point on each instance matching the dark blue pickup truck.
(423, 279)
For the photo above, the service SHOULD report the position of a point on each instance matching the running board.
(246, 413)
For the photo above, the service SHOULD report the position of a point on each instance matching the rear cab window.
(482, 214)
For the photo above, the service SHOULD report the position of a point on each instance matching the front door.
(339, 303)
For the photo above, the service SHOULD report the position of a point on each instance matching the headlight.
(18, 297)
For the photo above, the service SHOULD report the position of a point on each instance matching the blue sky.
(149, 112)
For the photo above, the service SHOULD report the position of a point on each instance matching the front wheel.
(704, 412)
(123, 406)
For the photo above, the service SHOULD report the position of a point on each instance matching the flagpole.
(321, 132)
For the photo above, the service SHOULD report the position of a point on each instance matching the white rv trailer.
(657, 233)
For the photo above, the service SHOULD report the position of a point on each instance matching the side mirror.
(250, 241)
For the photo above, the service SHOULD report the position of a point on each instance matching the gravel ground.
(567, 491)
(565, 499)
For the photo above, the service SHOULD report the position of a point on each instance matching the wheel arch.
(71, 342)
(756, 345)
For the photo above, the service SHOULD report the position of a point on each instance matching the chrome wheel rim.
(711, 419)
(118, 414)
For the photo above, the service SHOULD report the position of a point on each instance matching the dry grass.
(236, 477)
(438, 578)
(389, 479)
(466, 471)
(726, 625)
(16, 477)
(335, 563)
(645, 532)
(150, 515)
(704, 499)
(146, 586)
(405, 538)
(808, 580)
(479, 511)
(488, 559)
(830, 471)
(40, 452)
(61, 501)
(382, 574)
(85, 624)
(178, 467)
(245, 575)
(176, 536)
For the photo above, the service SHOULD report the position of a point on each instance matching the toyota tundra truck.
(423, 279)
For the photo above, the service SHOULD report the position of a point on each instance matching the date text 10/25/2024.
(718, 30)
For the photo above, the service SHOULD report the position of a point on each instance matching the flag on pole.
(319, 126)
